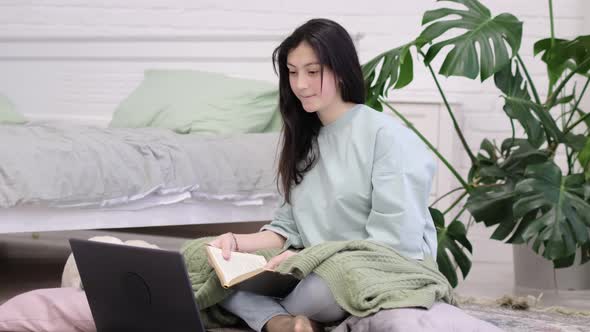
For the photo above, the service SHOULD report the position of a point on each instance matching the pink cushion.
(47, 310)
(441, 317)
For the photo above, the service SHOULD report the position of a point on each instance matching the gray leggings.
(311, 298)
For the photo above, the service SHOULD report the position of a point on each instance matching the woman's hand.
(278, 259)
(227, 243)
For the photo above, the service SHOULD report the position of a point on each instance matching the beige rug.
(529, 320)
(527, 316)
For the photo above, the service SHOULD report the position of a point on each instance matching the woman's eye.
(292, 73)
(313, 72)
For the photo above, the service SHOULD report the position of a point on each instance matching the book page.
(238, 264)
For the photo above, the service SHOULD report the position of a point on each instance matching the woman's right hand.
(227, 243)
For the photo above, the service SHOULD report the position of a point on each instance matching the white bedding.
(78, 166)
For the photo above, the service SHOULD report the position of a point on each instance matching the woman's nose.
(301, 82)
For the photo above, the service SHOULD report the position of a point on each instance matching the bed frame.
(29, 219)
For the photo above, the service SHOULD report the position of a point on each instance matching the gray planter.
(533, 271)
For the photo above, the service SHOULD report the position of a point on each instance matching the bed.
(95, 178)
(77, 82)
(73, 177)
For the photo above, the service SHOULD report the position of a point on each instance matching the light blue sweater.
(371, 182)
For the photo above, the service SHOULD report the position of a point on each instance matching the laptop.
(136, 289)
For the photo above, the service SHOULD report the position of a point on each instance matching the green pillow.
(8, 114)
(195, 101)
(276, 122)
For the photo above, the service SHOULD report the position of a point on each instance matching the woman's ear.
(340, 87)
(339, 83)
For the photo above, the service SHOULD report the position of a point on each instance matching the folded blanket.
(363, 276)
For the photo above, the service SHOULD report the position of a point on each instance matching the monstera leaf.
(584, 158)
(491, 34)
(485, 167)
(450, 240)
(521, 154)
(555, 65)
(515, 155)
(396, 71)
(565, 54)
(563, 217)
(492, 203)
(518, 105)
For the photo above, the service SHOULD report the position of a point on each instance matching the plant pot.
(534, 271)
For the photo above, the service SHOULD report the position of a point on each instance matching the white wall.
(61, 37)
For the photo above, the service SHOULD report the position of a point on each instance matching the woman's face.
(306, 81)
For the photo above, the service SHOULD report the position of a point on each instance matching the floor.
(491, 281)
(29, 261)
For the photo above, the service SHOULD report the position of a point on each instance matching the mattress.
(74, 166)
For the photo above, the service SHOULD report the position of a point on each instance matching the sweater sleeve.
(284, 224)
(401, 179)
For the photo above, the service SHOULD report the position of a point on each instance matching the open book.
(246, 272)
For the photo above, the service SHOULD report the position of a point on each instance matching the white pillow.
(71, 276)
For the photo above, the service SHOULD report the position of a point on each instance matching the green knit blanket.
(363, 276)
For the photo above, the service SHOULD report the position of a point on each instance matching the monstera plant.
(516, 185)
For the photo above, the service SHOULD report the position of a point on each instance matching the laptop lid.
(136, 289)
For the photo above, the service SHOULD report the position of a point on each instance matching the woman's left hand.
(278, 259)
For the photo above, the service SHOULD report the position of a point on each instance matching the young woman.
(347, 172)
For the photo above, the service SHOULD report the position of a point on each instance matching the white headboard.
(83, 79)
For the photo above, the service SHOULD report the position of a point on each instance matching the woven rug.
(532, 319)
(525, 313)
(529, 320)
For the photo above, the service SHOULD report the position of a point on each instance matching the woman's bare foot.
(304, 324)
(283, 323)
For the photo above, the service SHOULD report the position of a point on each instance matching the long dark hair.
(334, 48)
